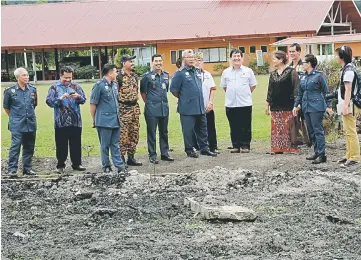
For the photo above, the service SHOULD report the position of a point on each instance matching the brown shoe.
(245, 150)
(235, 150)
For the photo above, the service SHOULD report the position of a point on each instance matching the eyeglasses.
(304, 61)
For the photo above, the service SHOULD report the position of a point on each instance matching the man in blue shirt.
(187, 87)
(65, 97)
(104, 110)
(153, 88)
(20, 101)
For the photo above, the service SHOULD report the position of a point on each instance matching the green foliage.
(120, 53)
(86, 72)
(140, 70)
(331, 69)
(219, 67)
(259, 70)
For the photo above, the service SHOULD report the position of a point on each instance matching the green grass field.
(45, 144)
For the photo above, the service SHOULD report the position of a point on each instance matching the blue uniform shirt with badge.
(155, 86)
(104, 96)
(188, 83)
(311, 92)
(21, 104)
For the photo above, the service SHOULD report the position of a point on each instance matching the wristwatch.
(210, 102)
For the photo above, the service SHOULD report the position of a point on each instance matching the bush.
(259, 70)
(220, 67)
(86, 72)
(140, 70)
(331, 69)
(120, 53)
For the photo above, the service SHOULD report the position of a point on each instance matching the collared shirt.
(66, 111)
(128, 88)
(21, 104)
(155, 86)
(298, 68)
(207, 85)
(104, 95)
(238, 83)
(311, 92)
(188, 84)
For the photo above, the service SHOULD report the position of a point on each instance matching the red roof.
(320, 39)
(126, 22)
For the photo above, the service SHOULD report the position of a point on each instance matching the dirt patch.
(304, 211)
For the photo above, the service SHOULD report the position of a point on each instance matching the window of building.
(282, 48)
(324, 49)
(214, 54)
(180, 53)
(264, 48)
(252, 49)
(242, 49)
(173, 57)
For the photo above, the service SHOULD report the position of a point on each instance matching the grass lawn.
(45, 144)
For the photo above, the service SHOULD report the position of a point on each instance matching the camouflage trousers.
(129, 135)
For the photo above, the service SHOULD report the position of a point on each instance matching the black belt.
(129, 103)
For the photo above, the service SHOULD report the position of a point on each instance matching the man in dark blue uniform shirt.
(20, 101)
(104, 110)
(187, 87)
(153, 88)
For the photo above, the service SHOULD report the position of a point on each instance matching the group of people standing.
(300, 92)
(296, 94)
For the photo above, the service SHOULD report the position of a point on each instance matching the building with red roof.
(167, 27)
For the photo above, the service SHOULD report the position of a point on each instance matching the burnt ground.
(304, 211)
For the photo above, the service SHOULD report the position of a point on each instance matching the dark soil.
(304, 211)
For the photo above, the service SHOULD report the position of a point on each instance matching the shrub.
(120, 53)
(331, 69)
(259, 70)
(220, 67)
(140, 70)
(86, 72)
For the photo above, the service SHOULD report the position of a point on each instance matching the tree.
(120, 53)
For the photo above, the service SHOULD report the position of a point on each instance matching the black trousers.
(211, 128)
(240, 123)
(64, 137)
(162, 123)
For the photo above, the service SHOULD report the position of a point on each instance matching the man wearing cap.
(208, 87)
(186, 85)
(153, 88)
(129, 109)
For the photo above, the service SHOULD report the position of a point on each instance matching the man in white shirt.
(238, 82)
(208, 87)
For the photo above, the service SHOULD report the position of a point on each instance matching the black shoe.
(107, 169)
(208, 153)
(166, 158)
(312, 157)
(235, 150)
(215, 151)
(320, 159)
(192, 154)
(343, 160)
(13, 174)
(60, 170)
(132, 161)
(79, 168)
(153, 160)
(29, 172)
(349, 163)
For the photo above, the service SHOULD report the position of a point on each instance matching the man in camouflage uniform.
(129, 109)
